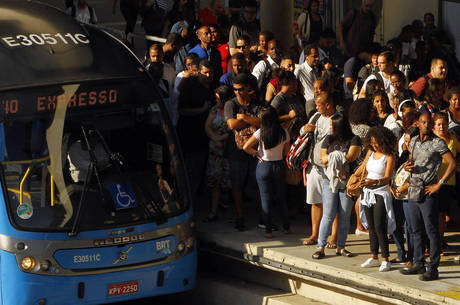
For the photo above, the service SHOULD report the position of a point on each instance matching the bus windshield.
(97, 169)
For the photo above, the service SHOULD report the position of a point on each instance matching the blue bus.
(95, 204)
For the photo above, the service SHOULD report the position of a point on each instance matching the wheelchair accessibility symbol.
(123, 196)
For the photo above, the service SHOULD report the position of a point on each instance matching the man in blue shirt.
(205, 50)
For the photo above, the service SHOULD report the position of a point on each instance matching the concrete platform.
(285, 254)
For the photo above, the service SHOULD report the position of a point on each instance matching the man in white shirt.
(82, 12)
(385, 61)
(307, 72)
(273, 59)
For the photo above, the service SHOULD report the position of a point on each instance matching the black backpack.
(264, 79)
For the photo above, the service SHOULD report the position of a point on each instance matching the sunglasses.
(238, 89)
(242, 47)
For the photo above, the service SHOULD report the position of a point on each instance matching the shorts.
(447, 195)
(315, 176)
(241, 171)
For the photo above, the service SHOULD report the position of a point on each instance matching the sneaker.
(371, 262)
(385, 266)
(416, 268)
(429, 275)
(359, 232)
(261, 225)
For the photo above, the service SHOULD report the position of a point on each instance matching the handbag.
(353, 188)
(401, 178)
(243, 135)
(353, 184)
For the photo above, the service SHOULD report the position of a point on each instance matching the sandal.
(309, 242)
(318, 255)
(344, 253)
(331, 245)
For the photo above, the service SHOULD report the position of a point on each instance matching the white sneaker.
(385, 266)
(371, 262)
(359, 232)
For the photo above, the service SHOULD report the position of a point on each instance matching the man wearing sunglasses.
(241, 112)
(246, 25)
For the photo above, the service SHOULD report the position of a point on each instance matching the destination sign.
(42, 101)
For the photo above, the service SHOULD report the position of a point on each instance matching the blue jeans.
(398, 234)
(334, 203)
(425, 214)
(271, 179)
(409, 232)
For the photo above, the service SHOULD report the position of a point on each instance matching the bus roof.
(41, 45)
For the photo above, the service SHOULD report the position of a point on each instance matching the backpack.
(300, 150)
(73, 11)
(264, 79)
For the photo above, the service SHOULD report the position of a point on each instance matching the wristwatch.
(441, 181)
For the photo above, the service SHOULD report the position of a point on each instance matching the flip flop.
(330, 245)
(344, 253)
(309, 242)
(318, 255)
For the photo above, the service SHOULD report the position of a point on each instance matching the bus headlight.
(28, 263)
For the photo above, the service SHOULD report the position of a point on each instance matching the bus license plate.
(123, 288)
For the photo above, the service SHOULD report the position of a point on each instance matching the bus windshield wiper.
(117, 160)
(91, 167)
(76, 223)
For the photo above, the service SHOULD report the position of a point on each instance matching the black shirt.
(231, 109)
(191, 128)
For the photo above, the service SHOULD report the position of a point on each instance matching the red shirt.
(207, 17)
(224, 55)
(420, 85)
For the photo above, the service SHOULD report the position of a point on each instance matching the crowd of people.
(384, 120)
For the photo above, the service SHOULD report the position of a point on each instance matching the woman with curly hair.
(376, 200)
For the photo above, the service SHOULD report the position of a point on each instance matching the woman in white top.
(376, 200)
(273, 144)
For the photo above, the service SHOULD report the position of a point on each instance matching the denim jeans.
(425, 214)
(271, 179)
(398, 234)
(334, 203)
(409, 232)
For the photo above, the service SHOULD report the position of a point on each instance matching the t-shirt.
(284, 103)
(386, 82)
(231, 109)
(342, 146)
(454, 147)
(207, 17)
(191, 127)
(272, 154)
(322, 129)
(427, 156)
(358, 31)
(240, 28)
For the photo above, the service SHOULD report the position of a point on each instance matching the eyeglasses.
(242, 47)
(239, 90)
